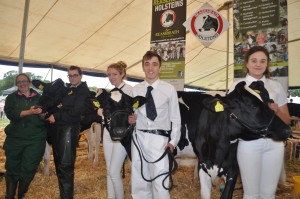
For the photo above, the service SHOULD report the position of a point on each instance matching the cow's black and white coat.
(216, 123)
(112, 101)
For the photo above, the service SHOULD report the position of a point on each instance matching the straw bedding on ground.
(90, 181)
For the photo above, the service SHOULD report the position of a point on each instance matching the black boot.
(11, 189)
(23, 188)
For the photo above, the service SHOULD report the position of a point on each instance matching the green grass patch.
(3, 123)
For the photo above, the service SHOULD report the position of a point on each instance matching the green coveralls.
(25, 138)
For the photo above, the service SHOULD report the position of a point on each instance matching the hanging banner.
(206, 24)
(264, 24)
(168, 39)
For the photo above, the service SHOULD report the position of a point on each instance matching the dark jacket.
(73, 105)
(29, 127)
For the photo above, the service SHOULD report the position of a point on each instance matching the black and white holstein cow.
(216, 123)
(117, 107)
(50, 101)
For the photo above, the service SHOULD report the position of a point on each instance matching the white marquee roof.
(95, 33)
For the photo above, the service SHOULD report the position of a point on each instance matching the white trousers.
(114, 154)
(152, 147)
(260, 163)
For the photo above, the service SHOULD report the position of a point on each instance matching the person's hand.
(132, 118)
(34, 110)
(51, 119)
(43, 115)
(100, 111)
(273, 106)
(170, 146)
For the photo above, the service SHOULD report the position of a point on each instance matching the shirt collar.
(121, 85)
(251, 79)
(31, 91)
(75, 86)
(154, 84)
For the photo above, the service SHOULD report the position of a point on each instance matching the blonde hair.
(120, 66)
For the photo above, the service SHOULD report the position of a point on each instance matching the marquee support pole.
(23, 36)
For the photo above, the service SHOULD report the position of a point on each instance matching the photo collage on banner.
(262, 23)
(168, 39)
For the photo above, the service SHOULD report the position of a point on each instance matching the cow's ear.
(38, 84)
(138, 101)
(213, 104)
(240, 86)
(58, 81)
(92, 94)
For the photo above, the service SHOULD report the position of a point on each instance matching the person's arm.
(175, 119)
(32, 111)
(282, 112)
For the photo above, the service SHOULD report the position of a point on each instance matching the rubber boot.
(64, 151)
(11, 189)
(22, 189)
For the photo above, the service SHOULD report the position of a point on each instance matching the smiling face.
(257, 64)
(114, 76)
(151, 68)
(23, 83)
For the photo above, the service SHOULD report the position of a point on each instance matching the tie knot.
(149, 89)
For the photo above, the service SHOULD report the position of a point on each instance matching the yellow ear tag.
(41, 87)
(71, 92)
(257, 91)
(219, 107)
(135, 105)
(96, 104)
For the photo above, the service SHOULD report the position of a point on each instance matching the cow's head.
(52, 96)
(249, 117)
(209, 23)
(117, 107)
(247, 110)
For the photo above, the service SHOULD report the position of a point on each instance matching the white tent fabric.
(95, 33)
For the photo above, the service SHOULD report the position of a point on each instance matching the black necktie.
(258, 86)
(150, 106)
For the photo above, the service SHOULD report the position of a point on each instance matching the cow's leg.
(98, 136)
(47, 159)
(89, 136)
(205, 183)
(230, 184)
(232, 171)
(196, 170)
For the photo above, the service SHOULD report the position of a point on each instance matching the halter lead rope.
(172, 164)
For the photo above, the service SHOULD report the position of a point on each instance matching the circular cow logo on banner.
(167, 18)
(207, 24)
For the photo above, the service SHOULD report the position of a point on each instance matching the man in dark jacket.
(66, 131)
